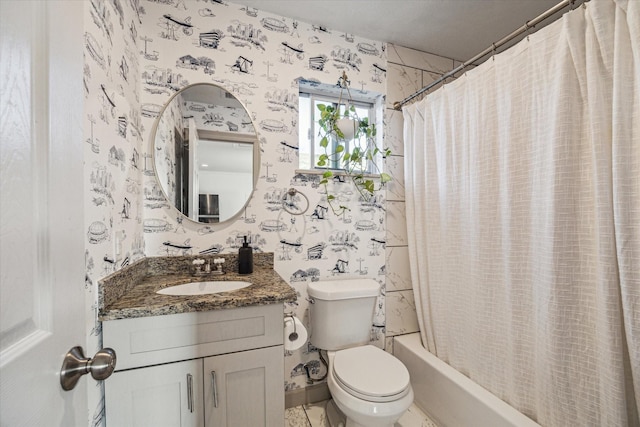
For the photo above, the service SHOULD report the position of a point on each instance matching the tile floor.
(313, 415)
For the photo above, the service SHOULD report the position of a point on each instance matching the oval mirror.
(206, 153)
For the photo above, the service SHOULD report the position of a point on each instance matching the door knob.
(76, 365)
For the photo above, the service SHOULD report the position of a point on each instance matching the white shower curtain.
(523, 217)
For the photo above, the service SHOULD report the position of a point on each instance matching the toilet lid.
(370, 373)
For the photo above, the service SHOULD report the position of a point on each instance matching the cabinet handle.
(215, 389)
(190, 392)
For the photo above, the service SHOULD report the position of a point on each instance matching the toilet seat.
(371, 374)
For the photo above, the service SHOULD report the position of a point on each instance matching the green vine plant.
(351, 162)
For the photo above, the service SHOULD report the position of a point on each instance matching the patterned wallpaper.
(259, 57)
(138, 53)
(113, 155)
(220, 118)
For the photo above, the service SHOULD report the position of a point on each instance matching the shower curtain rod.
(529, 24)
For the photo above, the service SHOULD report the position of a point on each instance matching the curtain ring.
(493, 51)
(527, 28)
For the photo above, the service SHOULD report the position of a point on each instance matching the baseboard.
(310, 394)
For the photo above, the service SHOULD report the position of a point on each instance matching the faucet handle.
(218, 263)
(197, 264)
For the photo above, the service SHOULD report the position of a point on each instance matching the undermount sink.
(203, 288)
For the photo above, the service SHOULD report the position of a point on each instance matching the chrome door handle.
(215, 389)
(75, 365)
(190, 392)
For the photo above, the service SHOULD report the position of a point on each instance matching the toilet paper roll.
(295, 334)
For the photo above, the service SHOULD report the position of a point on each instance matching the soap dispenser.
(245, 258)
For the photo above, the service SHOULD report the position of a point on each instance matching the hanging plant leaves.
(353, 162)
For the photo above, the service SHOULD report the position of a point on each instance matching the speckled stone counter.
(131, 292)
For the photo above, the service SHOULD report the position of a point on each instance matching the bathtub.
(450, 398)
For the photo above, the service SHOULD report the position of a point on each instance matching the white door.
(41, 211)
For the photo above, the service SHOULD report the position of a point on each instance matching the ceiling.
(457, 29)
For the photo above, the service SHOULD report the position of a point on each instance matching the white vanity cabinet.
(217, 368)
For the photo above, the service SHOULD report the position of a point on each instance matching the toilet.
(368, 386)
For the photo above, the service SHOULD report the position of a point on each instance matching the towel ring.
(290, 206)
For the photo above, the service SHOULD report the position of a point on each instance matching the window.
(311, 95)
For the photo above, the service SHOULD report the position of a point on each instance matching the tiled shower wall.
(408, 71)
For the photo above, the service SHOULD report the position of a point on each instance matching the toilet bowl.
(369, 386)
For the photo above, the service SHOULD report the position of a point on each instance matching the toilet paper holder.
(293, 335)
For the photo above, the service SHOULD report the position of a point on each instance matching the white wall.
(233, 189)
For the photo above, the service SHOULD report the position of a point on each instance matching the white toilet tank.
(341, 312)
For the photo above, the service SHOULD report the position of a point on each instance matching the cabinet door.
(245, 388)
(165, 395)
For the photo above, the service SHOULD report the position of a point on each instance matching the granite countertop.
(132, 293)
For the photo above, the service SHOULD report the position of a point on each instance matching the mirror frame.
(256, 158)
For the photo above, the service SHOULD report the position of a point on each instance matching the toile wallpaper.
(259, 58)
(138, 53)
(113, 153)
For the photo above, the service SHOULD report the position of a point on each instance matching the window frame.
(371, 105)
